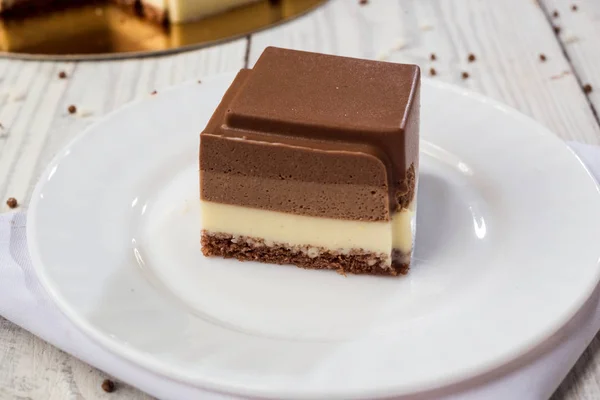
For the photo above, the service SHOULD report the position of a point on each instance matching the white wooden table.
(506, 37)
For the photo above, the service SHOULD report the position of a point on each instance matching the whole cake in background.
(312, 160)
(158, 11)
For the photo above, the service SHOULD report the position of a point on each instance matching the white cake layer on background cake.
(186, 10)
(158, 4)
(300, 230)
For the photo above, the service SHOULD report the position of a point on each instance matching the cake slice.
(312, 160)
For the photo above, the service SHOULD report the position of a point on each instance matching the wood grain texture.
(32, 369)
(35, 125)
(506, 38)
(34, 102)
(583, 382)
(579, 23)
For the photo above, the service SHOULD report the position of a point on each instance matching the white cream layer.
(158, 4)
(301, 230)
(189, 10)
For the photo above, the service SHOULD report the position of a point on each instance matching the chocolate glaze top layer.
(321, 96)
(320, 104)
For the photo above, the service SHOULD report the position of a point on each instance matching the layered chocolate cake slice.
(312, 160)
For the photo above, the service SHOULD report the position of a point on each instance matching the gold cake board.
(106, 31)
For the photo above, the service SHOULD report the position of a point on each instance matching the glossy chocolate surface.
(311, 118)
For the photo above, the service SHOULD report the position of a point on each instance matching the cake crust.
(255, 249)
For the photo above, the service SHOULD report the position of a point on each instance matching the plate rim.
(484, 374)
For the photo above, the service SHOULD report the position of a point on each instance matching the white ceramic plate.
(507, 252)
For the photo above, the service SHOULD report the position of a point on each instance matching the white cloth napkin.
(25, 302)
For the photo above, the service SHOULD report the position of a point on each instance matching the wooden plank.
(579, 23)
(32, 369)
(507, 40)
(33, 111)
(34, 102)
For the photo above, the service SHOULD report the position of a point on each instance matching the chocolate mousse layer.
(315, 135)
